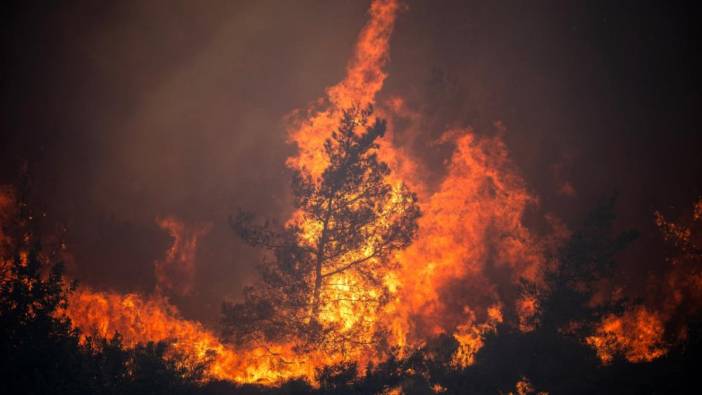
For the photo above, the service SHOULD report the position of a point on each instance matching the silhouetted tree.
(553, 356)
(150, 368)
(586, 258)
(152, 371)
(349, 219)
(40, 353)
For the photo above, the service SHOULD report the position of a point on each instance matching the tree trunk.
(320, 260)
(317, 288)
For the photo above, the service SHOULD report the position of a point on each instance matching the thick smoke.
(131, 112)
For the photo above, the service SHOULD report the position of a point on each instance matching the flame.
(525, 387)
(470, 337)
(647, 331)
(471, 221)
(176, 270)
(528, 310)
(470, 224)
(460, 276)
(471, 237)
(636, 334)
(139, 319)
(364, 78)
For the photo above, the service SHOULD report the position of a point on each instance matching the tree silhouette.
(40, 353)
(348, 220)
(588, 256)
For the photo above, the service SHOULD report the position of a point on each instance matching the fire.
(175, 271)
(140, 319)
(364, 79)
(472, 222)
(527, 310)
(646, 332)
(463, 275)
(471, 236)
(637, 335)
(471, 239)
(525, 387)
(470, 336)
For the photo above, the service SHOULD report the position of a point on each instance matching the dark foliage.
(587, 257)
(39, 351)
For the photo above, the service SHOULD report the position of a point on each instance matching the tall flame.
(471, 226)
(462, 276)
(471, 230)
(471, 236)
(364, 79)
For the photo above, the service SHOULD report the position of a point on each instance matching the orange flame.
(645, 332)
(364, 79)
(175, 271)
(637, 335)
(471, 237)
(140, 319)
(459, 277)
(470, 227)
(472, 219)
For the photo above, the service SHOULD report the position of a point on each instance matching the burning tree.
(322, 278)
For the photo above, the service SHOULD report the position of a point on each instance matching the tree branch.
(349, 265)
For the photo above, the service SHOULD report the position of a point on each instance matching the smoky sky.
(125, 112)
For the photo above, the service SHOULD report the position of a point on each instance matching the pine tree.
(348, 222)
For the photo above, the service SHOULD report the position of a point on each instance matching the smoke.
(130, 112)
(174, 273)
(164, 109)
(465, 269)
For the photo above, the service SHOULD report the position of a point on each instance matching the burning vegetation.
(386, 278)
